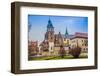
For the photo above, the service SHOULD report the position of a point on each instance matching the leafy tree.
(75, 52)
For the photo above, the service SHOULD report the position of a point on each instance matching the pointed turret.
(60, 39)
(66, 33)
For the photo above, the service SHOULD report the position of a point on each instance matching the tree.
(75, 52)
(62, 51)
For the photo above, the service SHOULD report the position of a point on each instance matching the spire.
(49, 20)
(66, 33)
(49, 24)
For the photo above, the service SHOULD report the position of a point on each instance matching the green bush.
(75, 52)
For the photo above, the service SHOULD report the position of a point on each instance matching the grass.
(57, 57)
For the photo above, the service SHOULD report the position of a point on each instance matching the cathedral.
(52, 41)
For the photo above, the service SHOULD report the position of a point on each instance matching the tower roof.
(49, 24)
(59, 35)
(66, 32)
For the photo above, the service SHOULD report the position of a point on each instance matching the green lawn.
(56, 57)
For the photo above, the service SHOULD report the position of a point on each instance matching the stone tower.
(50, 32)
(49, 36)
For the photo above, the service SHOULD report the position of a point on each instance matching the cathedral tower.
(50, 32)
(49, 36)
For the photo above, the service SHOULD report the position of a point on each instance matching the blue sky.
(39, 25)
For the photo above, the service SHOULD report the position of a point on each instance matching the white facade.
(81, 42)
(51, 46)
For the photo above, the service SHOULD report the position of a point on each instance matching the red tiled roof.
(80, 35)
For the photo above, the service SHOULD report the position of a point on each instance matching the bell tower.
(50, 32)
(49, 36)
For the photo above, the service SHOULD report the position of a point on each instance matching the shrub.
(75, 52)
